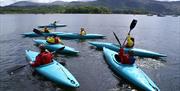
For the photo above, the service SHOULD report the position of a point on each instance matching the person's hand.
(31, 62)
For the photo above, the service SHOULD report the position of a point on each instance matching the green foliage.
(56, 9)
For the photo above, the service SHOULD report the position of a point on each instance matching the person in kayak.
(54, 40)
(44, 57)
(46, 30)
(82, 32)
(130, 42)
(54, 23)
(50, 40)
(57, 40)
(126, 58)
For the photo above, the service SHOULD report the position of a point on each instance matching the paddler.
(54, 40)
(130, 41)
(82, 32)
(46, 30)
(44, 57)
(50, 40)
(126, 58)
(54, 23)
(57, 40)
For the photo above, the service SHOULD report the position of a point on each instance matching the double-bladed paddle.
(133, 24)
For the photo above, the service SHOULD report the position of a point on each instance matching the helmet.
(42, 47)
(82, 28)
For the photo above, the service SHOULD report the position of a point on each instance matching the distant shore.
(72, 10)
(67, 10)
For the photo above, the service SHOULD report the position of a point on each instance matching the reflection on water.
(160, 34)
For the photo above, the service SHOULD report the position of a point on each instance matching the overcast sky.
(8, 2)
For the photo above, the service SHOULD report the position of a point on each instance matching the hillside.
(115, 6)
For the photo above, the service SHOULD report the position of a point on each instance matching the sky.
(8, 2)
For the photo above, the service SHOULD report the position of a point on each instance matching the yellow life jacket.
(83, 33)
(130, 43)
(50, 40)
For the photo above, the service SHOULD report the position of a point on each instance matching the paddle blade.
(133, 24)
(37, 31)
(117, 39)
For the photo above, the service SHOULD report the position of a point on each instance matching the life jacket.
(57, 40)
(43, 58)
(83, 33)
(51, 40)
(130, 42)
(46, 31)
(47, 56)
(124, 58)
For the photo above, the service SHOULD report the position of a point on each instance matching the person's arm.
(37, 62)
(60, 41)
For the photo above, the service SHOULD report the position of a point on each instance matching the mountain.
(117, 6)
(150, 6)
(28, 4)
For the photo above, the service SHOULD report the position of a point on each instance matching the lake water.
(160, 34)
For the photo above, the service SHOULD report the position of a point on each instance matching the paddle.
(133, 24)
(11, 72)
(37, 31)
(117, 39)
(22, 66)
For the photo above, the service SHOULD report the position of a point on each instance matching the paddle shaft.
(12, 71)
(117, 39)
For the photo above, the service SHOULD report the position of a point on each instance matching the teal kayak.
(53, 26)
(132, 73)
(78, 36)
(137, 51)
(32, 34)
(54, 47)
(54, 71)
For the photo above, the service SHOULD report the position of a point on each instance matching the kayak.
(32, 34)
(137, 51)
(54, 47)
(78, 36)
(53, 26)
(54, 71)
(132, 73)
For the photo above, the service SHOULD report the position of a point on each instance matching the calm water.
(160, 34)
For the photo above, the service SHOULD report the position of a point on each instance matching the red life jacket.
(124, 57)
(56, 40)
(43, 58)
